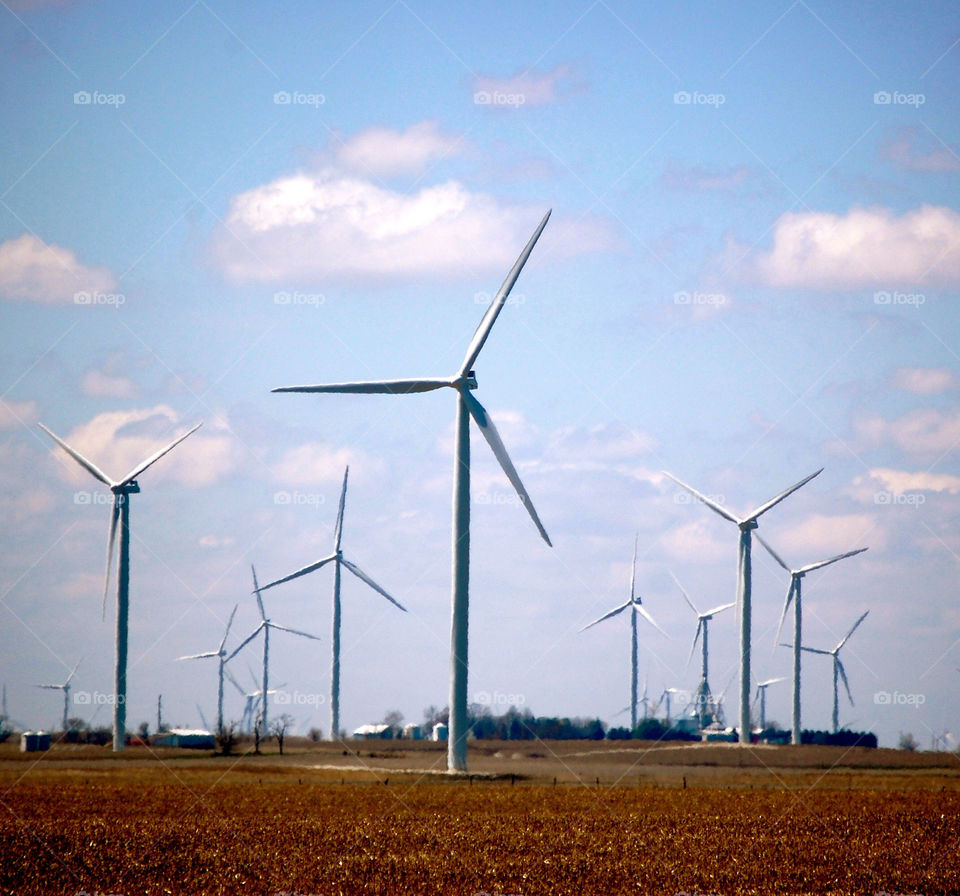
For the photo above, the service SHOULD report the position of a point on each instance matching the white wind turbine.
(762, 697)
(265, 626)
(636, 603)
(463, 382)
(666, 695)
(838, 670)
(794, 593)
(704, 702)
(746, 525)
(221, 655)
(122, 489)
(65, 687)
(337, 559)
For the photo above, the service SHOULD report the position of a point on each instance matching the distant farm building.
(186, 738)
(381, 731)
(34, 741)
(440, 732)
(412, 731)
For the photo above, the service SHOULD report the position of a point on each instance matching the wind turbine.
(463, 382)
(705, 706)
(65, 687)
(746, 525)
(636, 602)
(221, 655)
(666, 695)
(122, 489)
(265, 626)
(250, 700)
(838, 670)
(762, 697)
(338, 560)
(794, 592)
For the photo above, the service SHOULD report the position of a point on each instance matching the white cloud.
(865, 248)
(17, 413)
(384, 152)
(923, 431)
(923, 380)
(901, 482)
(116, 441)
(704, 180)
(332, 226)
(903, 149)
(536, 88)
(101, 385)
(821, 536)
(321, 464)
(34, 271)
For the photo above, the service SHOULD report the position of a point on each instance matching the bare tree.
(278, 728)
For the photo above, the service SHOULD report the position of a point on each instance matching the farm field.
(751, 822)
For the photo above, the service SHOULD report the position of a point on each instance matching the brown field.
(374, 819)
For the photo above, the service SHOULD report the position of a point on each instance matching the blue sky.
(751, 272)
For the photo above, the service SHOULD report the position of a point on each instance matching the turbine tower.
(65, 687)
(463, 382)
(636, 602)
(122, 489)
(838, 670)
(221, 655)
(265, 626)
(707, 710)
(338, 560)
(794, 593)
(746, 525)
(762, 697)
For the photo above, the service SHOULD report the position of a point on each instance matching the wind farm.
(467, 301)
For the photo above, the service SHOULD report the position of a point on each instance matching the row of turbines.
(464, 382)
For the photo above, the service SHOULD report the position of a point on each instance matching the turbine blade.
(313, 567)
(246, 641)
(292, 631)
(773, 553)
(612, 613)
(226, 634)
(696, 638)
(843, 678)
(812, 566)
(338, 531)
(198, 656)
(770, 681)
(234, 681)
(360, 574)
(642, 610)
(720, 609)
(373, 387)
(852, 630)
(686, 596)
(479, 413)
(74, 672)
(763, 508)
(813, 650)
(716, 508)
(633, 568)
(256, 591)
(786, 605)
(111, 542)
(150, 461)
(488, 320)
(89, 466)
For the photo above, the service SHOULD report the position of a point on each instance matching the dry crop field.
(259, 825)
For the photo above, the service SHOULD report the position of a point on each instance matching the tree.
(393, 718)
(908, 741)
(315, 734)
(226, 738)
(278, 728)
(143, 731)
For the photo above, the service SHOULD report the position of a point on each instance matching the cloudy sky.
(751, 272)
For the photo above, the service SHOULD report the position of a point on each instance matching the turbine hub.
(129, 488)
(748, 525)
(470, 381)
